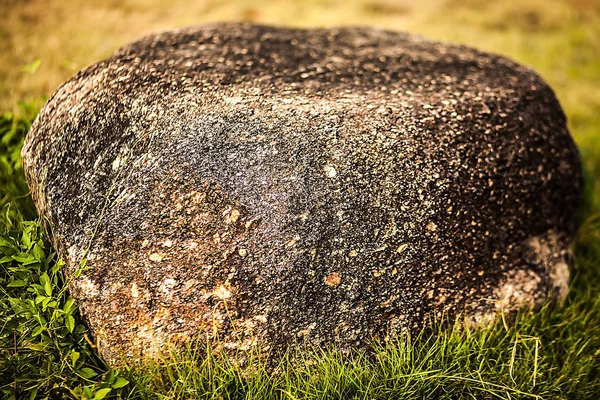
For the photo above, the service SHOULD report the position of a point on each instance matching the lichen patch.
(333, 279)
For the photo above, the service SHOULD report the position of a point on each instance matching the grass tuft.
(44, 347)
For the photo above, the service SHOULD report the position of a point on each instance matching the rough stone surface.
(281, 186)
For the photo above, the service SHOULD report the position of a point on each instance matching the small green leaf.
(38, 253)
(70, 323)
(37, 331)
(17, 283)
(40, 319)
(120, 382)
(87, 373)
(74, 357)
(19, 306)
(87, 393)
(26, 239)
(110, 376)
(38, 289)
(68, 308)
(45, 302)
(31, 68)
(23, 258)
(100, 394)
(36, 347)
(45, 281)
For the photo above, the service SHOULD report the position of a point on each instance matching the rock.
(276, 186)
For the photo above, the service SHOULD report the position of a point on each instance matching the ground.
(554, 353)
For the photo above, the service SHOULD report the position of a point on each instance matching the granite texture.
(275, 186)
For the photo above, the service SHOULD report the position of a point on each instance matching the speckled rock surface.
(278, 186)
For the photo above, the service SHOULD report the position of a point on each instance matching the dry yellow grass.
(67, 35)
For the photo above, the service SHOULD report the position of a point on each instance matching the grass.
(45, 351)
(43, 345)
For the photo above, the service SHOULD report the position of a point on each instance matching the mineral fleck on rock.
(276, 186)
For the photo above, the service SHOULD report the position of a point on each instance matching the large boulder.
(274, 186)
